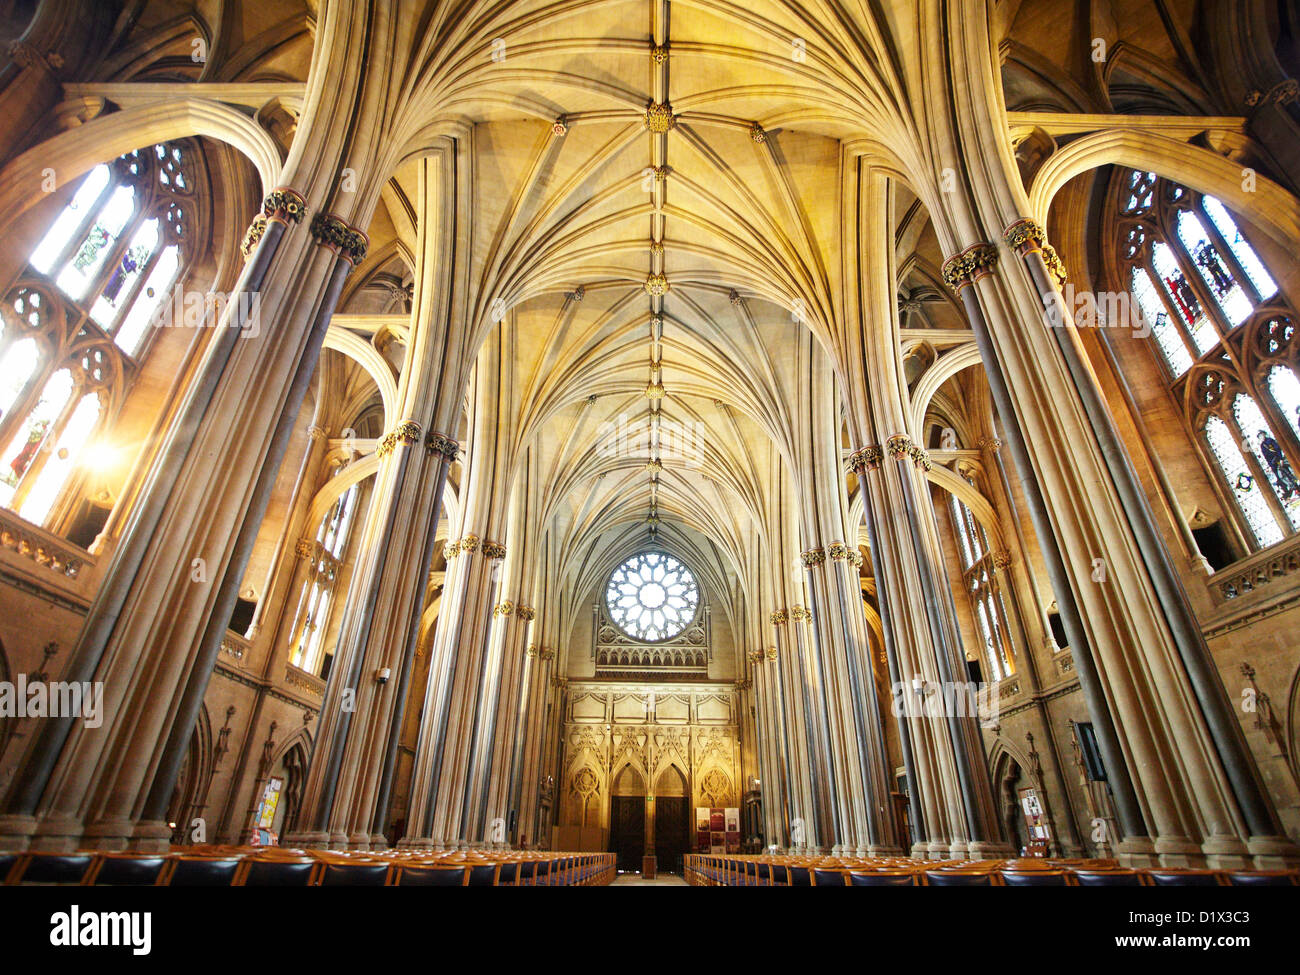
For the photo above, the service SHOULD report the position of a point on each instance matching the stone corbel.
(72, 112)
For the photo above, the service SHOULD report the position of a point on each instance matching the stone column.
(345, 799)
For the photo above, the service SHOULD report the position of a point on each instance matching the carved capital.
(407, 432)
(970, 265)
(348, 242)
(440, 443)
(253, 236)
(285, 205)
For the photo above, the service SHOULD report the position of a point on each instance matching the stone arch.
(75, 152)
(1270, 208)
(630, 781)
(293, 758)
(368, 358)
(978, 504)
(672, 781)
(189, 793)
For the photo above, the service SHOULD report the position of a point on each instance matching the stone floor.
(636, 880)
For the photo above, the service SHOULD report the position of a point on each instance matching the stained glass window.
(1200, 286)
(1249, 498)
(1214, 271)
(1263, 444)
(1241, 249)
(326, 561)
(1166, 332)
(982, 588)
(76, 321)
(652, 596)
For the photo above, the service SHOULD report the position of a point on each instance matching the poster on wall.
(702, 835)
(1035, 822)
(732, 819)
(718, 820)
(718, 843)
(270, 800)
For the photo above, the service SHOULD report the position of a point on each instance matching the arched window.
(1225, 337)
(326, 555)
(75, 326)
(982, 586)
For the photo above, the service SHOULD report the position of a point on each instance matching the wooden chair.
(126, 870)
(51, 868)
(200, 871)
(431, 876)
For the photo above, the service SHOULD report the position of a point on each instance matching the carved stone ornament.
(439, 443)
(407, 432)
(659, 117)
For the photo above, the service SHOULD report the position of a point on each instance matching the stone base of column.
(924, 850)
(881, 851)
(64, 834)
(110, 836)
(1136, 851)
(1226, 853)
(152, 836)
(16, 832)
(307, 839)
(989, 850)
(415, 843)
(1273, 853)
(1178, 851)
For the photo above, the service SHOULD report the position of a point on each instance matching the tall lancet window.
(325, 567)
(75, 326)
(984, 590)
(1224, 334)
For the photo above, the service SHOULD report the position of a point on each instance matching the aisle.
(636, 880)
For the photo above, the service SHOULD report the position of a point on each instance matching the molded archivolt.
(73, 153)
(1269, 207)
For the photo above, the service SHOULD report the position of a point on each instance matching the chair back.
(360, 874)
(278, 871)
(54, 868)
(191, 871)
(127, 870)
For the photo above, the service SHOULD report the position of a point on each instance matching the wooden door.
(672, 838)
(627, 831)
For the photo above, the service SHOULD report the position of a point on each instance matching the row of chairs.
(275, 867)
(791, 871)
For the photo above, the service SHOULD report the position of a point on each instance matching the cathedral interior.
(742, 443)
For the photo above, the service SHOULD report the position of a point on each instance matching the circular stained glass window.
(652, 596)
